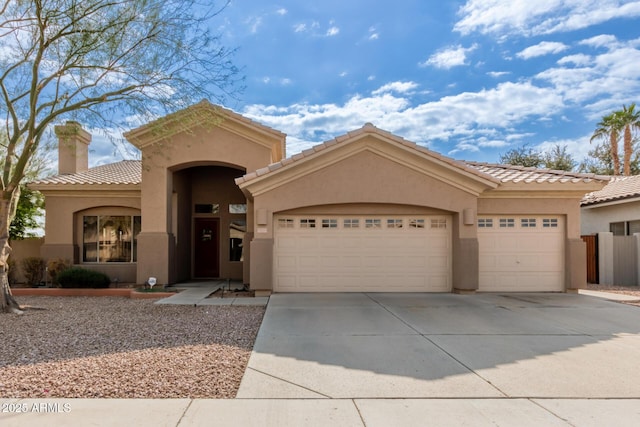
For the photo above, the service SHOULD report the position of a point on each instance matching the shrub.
(57, 266)
(33, 270)
(75, 277)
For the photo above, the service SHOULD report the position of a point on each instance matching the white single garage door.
(521, 253)
(362, 254)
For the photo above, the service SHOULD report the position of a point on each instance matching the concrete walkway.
(197, 294)
(549, 359)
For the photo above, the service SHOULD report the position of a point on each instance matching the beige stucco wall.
(367, 181)
(162, 163)
(21, 249)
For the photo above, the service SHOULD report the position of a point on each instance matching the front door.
(206, 248)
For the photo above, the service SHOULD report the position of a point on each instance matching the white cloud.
(449, 57)
(606, 40)
(282, 11)
(612, 76)
(398, 87)
(373, 33)
(299, 28)
(528, 18)
(577, 59)
(541, 49)
(467, 117)
(497, 74)
(254, 23)
(333, 31)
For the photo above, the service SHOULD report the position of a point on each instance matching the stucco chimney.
(73, 148)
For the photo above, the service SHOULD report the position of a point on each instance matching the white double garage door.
(407, 253)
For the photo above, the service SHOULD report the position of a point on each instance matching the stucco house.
(215, 196)
(615, 208)
(610, 224)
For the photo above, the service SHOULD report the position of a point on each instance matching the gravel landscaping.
(111, 347)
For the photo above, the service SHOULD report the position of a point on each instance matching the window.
(206, 208)
(617, 228)
(307, 223)
(237, 228)
(372, 223)
(507, 223)
(549, 223)
(633, 227)
(528, 222)
(439, 223)
(394, 223)
(110, 238)
(351, 223)
(416, 223)
(285, 223)
(237, 208)
(485, 222)
(329, 223)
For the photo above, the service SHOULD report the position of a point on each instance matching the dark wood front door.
(206, 248)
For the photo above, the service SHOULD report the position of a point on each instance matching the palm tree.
(628, 120)
(609, 127)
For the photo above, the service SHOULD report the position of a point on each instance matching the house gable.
(206, 116)
(368, 158)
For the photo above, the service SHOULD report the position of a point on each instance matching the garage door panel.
(357, 259)
(521, 258)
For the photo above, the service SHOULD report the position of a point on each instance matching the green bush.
(33, 269)
(81, 278)
(55, 267)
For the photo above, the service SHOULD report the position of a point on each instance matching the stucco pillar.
(261, 269)
(465, 265)
(605, 258)
(465, 252)
(575, 264)
(155, 255)
(156, 242)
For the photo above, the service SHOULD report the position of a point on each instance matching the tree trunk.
(614, 152)
(8, 304)
(628, 148)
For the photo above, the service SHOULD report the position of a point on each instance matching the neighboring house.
(215, 197)
(615, 208)
(613, 215)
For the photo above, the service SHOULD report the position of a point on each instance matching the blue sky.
(469, 79)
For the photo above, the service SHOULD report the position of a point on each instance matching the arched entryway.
(209, 222)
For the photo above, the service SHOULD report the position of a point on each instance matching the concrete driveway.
(360, 346)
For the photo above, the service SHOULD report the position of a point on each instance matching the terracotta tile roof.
(620, 187)
(510, 173)
(366, 129)
(124, 172)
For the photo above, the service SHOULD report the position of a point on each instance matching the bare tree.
(98, 61)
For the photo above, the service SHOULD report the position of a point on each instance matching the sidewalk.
(319, 412)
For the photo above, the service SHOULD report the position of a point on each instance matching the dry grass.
(120, 348)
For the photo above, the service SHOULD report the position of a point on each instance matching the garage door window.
(307, 223)
(285, 223)
(507, 223)
(416, 223)
(485, 222)
(394, 223)
(351, 223)
(528, 222)
(372, 223)
(330, 223)
(550, 223)
(439, 223)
